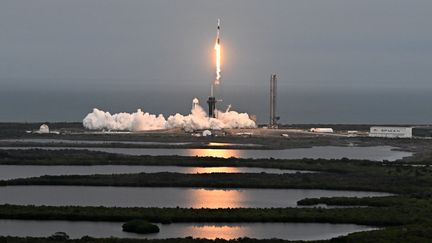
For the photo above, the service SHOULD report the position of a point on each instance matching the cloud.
(144, 121)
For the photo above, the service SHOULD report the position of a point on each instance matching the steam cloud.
(140, 121)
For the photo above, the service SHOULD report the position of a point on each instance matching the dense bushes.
(354, 201)
(337, 181)
(140, 226)
(86, 157)
(406, 216)
(408, 213)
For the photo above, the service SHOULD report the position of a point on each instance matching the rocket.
(218, 30)
(217, 49)
(212, 100)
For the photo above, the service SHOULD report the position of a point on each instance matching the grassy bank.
(353, 201)
(406, 216)
(400, 214)
(334, 181)
(86, 157)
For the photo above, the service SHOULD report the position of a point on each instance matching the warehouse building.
(391, 132)
(422, 132)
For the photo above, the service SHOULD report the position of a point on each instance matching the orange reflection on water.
(201, 170)
(219, 144)
(221, 153)
(218, 231)
(216, 198)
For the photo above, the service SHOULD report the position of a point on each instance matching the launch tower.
(273, 122)
(212, 106)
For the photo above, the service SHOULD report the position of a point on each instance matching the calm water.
(164, 197)
(287, 231)
(377, 153)
(23, 171)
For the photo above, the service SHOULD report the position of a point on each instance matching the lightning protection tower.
(273, 122)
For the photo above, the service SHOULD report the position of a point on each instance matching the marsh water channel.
(376, 153)
(165, 196)
(286, 231)
(8, 172)
(181, 197)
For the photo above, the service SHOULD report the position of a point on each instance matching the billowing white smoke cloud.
(140, 121)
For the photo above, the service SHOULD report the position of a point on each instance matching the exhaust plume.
(218, 63)
(140, 121)
(218, 56)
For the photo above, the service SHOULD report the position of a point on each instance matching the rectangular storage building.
(423, 132)
(391, 132)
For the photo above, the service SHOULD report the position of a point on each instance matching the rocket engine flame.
(218, 63)
(218, 56)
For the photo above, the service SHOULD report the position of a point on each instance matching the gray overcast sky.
(85, 45)
(325, 43)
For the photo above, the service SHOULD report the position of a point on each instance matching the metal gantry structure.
(273, 122)
(212, 106)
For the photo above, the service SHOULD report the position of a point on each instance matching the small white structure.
(391, 132)
(206, 133)
(44, 129)
(322, 130)
(195, 103)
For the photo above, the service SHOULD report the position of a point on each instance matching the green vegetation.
(356, 201)
(402, 212)
(405, 216)
(341, 174)
(59, 236)
(140, 226)
(337, 181)
(86, 157)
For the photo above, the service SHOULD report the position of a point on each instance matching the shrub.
(140, 226)
(59, 236)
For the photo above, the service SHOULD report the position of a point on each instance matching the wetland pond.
(376, 153)
(165, 196)
(286, 231)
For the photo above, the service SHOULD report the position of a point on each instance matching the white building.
(391, 132)
(206, 133)
(44, 129)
